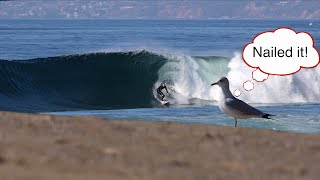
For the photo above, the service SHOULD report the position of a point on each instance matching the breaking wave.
(117, 80)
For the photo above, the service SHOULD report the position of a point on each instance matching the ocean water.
(110, 68)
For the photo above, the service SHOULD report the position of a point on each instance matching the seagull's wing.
(243, 107)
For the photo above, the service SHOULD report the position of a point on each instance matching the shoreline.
(49, 147)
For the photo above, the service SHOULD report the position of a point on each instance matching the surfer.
(159, 90)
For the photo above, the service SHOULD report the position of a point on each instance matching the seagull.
(234, 107)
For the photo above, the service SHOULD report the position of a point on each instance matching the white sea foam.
(190, 77)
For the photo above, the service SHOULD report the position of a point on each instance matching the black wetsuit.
(159, 91)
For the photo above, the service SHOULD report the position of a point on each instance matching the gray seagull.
(234, 107)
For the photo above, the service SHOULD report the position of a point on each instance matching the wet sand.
(45, 147)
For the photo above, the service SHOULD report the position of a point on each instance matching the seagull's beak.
(214, 84)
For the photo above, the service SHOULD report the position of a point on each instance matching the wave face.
(119, 80)
(89, 81)
(96, 81)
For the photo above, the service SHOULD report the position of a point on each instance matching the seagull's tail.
(266, 116)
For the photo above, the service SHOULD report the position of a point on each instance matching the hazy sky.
(165, 9)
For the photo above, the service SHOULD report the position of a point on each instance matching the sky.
(160, 9)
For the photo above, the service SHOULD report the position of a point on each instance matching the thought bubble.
(280, 52)
(248, 85)
(259, 76)
(237, 92)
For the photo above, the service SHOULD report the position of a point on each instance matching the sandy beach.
(56, 147)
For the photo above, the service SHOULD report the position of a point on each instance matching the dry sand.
(45, 147)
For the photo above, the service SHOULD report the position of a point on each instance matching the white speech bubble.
(259, 76)
(281, 52)
(248, 85)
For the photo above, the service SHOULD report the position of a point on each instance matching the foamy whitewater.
(191, 78)
(112, 69)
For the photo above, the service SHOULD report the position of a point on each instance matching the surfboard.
(166, 103)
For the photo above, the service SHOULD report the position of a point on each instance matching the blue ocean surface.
(111, 68)
(293, 118)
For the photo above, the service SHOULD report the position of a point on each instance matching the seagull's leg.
(235, 122)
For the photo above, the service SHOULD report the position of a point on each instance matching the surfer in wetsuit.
(159, 90)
